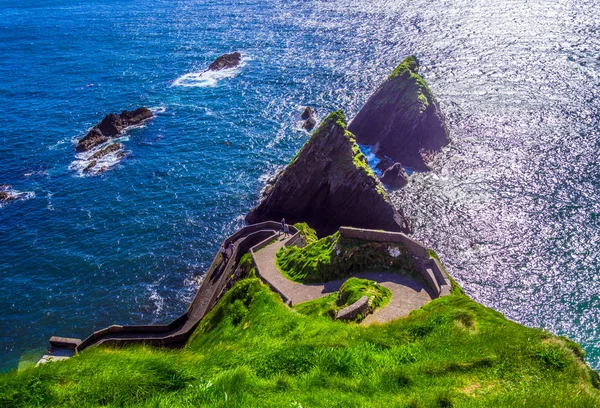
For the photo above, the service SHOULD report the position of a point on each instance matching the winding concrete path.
(407, 294)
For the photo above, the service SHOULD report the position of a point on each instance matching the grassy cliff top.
(253, 351)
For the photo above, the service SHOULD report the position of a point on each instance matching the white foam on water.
(157, 110)
(103, 164)
(159, 301)
(15, 195)
(208, 79)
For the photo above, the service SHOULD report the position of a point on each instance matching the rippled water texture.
(511, 205)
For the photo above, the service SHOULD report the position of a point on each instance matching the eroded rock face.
(329, 184)
(403, 118)
(226, 61)
(395, 176)
(111, 126)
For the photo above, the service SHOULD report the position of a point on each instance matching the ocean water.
(511, 205)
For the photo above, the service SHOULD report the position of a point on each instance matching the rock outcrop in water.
(226, 61)
(402, 119)
(111, 126)
(309, 118)
(329, 184)
(394, 176)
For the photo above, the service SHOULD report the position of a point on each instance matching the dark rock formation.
(107, 150)
(329, 184)
(395, 176)
(4, 196)
(226, 61)
(402, 118)
(309, 118)
(111, 126)
(90, 166)
(384, 164)
(307, 113)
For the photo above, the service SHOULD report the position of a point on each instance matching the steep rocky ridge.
(402, 119)
(329, 184)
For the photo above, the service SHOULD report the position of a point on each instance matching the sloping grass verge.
(253, 351)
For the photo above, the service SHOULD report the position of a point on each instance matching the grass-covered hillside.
(253, 351)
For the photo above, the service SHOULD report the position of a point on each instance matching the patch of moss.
(413, 85)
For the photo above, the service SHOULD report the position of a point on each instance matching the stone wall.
(431, 270)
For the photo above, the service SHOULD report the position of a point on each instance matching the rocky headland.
(402, 119)
(226, 61)
(329, 184)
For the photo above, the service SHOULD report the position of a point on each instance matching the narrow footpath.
(407, 294)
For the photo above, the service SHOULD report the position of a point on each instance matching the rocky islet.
(226, 61)
(329, 184)
(402, 120)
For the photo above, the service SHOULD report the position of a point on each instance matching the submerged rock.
(107, 150)
(395, 176)
(403, 117)
(111, 126)
(90, 166)
(329, 184)
(4, 196)
(226, 61)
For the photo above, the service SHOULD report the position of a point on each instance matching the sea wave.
(15, 195)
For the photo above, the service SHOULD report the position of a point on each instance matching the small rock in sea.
(309, 123)
(111, 126)
(107, 150)
(395, 176)
(4, 196)
(226, 61)
(309, 115)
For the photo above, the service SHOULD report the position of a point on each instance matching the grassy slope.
(254, 351)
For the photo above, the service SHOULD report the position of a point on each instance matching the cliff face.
(403, 118)
(329, 184)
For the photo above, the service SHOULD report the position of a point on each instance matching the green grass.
(351, 291)
(309, 234)
(335, 257)
(253, 351)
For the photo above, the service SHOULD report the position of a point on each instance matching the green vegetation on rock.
(309, 234)
(350, 292)
(334, 257)
(253, 351)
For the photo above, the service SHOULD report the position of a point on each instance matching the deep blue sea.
(512, 205)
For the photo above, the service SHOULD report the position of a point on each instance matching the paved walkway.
(407, 294)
